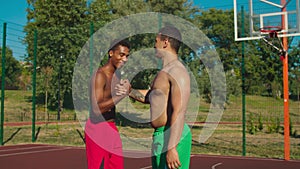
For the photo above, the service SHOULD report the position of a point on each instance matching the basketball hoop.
(271, 30)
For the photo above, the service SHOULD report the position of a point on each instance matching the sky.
(13, 12)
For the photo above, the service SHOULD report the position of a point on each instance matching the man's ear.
(166, 43)
(110, 53)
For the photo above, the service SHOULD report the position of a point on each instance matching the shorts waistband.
(104, 117)
(162, 129)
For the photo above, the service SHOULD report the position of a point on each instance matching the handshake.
(123, 88)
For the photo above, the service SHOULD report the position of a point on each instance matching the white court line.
(32, 152)
(27, 148)
(146, 167)
(214, 166)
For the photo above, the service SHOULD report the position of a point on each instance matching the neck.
(110, 67)
(169, 59)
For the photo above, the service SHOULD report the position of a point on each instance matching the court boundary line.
(34, 152)
(217, 164)
(243, 158)
(66, 147)
(27, 148)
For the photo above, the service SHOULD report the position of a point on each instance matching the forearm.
(176, 128)
(139, 95)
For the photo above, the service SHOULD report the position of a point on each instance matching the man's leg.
(184, 148)
(158, 149)
(116, 160)
(95, 154)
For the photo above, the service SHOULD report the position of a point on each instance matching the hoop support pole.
(285, 91)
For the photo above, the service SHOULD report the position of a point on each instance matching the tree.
(25, 77)
(181, 8)
(294, 72)
(217, 25)
(62, 27)
(127, 7)
(13, 70)
(99, 13)
(45, 77)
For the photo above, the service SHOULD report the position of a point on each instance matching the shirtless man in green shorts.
(168, 98)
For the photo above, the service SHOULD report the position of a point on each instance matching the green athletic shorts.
(159, 147)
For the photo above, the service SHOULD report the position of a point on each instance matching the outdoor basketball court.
(38, 156)
(252, 22)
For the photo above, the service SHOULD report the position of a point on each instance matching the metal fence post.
(3, 83)
(33, 137)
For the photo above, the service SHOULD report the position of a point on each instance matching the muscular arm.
(140, 95)
(178, 102)
(102, 101)
(180, 92)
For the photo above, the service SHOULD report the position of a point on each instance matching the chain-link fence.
(264, 114)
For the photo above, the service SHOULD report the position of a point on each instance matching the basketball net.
(270, 36)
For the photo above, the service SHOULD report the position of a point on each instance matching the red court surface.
(37, 156)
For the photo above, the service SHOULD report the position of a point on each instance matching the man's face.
(119, 56)
(159, 45)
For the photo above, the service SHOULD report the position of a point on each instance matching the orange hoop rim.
(270, 29)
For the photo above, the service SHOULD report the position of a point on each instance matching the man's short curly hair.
(116, 43)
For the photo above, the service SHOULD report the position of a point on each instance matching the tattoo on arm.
(137, 95)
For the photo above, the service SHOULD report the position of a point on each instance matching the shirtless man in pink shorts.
(103, 142)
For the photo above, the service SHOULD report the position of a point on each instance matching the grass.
(18, 107)
(58, 134)
(136, 134)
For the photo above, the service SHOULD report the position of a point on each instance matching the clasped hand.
(123, 88)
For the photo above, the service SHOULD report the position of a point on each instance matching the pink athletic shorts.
(103, 146)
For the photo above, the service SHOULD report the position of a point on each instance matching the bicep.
(180, 92)
(176, 99)
(98, 87)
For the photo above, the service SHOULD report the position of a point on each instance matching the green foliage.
(25, 82)
(294, 70)
(120, 8)
(255, 123)
(260, 123)
(13, 70)
(99, 13)
(233, 83)
(273, 125)
(252, 127)
(62, 30)
(181, 8)
(293, 133)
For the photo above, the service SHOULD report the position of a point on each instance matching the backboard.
(251, 16)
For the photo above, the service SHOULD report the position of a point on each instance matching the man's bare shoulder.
(176, 70)
(161, 80)
(99, 75)
(179, 74)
